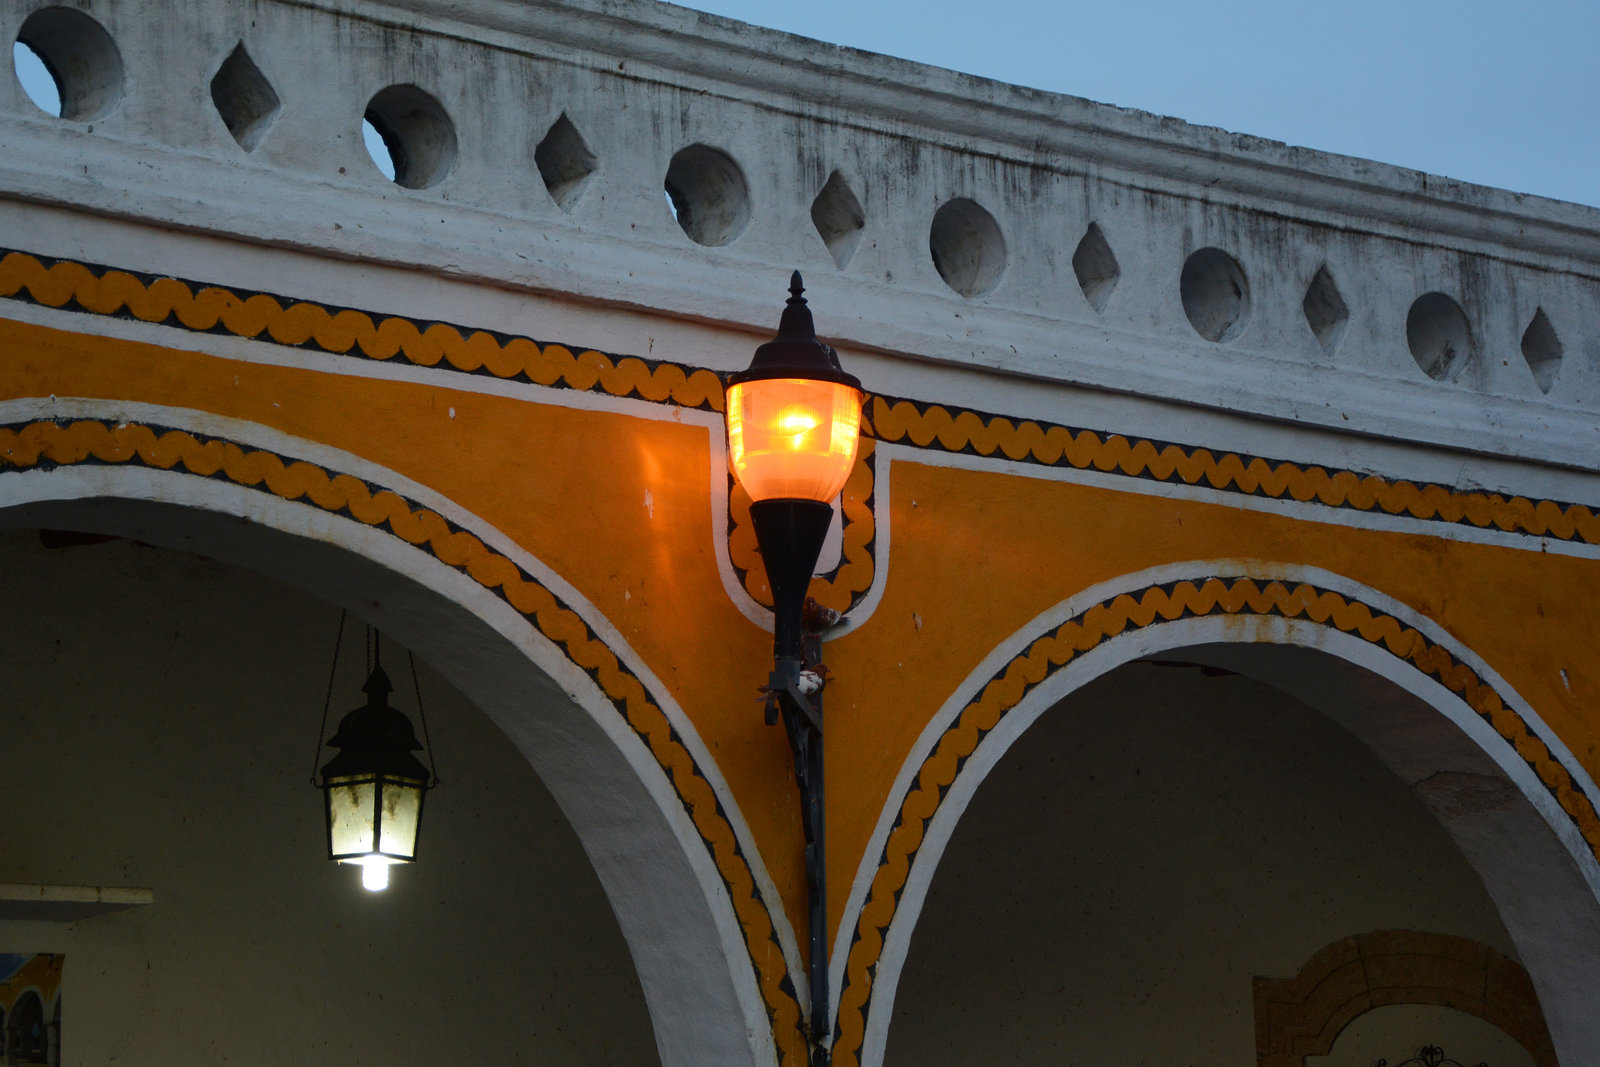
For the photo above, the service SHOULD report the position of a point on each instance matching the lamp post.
(794, 422)
(374, 786)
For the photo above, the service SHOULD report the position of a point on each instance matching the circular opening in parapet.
(968, 249)
(1215, 293)
(79, 60)
(707, 194)
(1439, 336)
(416, 135)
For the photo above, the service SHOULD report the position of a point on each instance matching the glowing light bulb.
(374, 875)
(796, 421)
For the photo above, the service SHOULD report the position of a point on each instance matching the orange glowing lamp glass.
(794, 416)
(793, 438)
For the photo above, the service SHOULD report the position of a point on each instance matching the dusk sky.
(1496, 93)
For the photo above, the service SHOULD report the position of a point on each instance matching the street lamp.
(374, 786)
(794, 423)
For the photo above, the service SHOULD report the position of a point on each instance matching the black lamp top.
(375, 738)
(795, 352)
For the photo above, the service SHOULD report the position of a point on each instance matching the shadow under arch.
(1512, 798)
(685, 897)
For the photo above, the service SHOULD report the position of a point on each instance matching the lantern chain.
(417, 688)
(322, 731)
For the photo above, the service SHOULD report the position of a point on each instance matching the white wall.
(1152, 844)
(157, 721)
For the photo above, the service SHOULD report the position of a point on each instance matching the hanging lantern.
(375, 786)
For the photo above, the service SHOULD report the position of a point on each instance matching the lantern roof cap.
(795, 352)
(375, 738)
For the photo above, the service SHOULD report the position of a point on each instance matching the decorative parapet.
(937, 216)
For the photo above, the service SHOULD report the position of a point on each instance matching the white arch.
(670, 900)
(1543, 877)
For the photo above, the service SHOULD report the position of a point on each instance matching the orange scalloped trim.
(990, 435)
(1131, 611)
(261, 316)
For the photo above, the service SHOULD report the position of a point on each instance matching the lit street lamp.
(794, 423)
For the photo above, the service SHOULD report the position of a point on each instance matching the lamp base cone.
(789, 534)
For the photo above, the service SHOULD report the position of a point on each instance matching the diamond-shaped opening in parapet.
(1325, 309)
(565, 163)
(1543, 350)
(839, 218)
(244, 98)
(1096, 267)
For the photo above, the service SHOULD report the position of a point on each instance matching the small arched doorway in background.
(1389, 993)
(30, 1038)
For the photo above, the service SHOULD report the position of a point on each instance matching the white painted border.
(1146, 641)
(87, 482)
(1302, 510)
(880, 551)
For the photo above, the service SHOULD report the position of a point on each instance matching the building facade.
(1217, 580)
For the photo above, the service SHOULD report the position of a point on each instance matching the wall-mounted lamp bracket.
(802, 681)
(794, 692)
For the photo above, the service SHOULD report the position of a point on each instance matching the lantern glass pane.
(350, 810)
(402, 808)
(793, 438)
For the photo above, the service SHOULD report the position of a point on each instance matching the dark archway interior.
(160, 723)
(1148, 847)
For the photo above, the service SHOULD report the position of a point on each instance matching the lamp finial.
(796, 324)
(377, 687)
